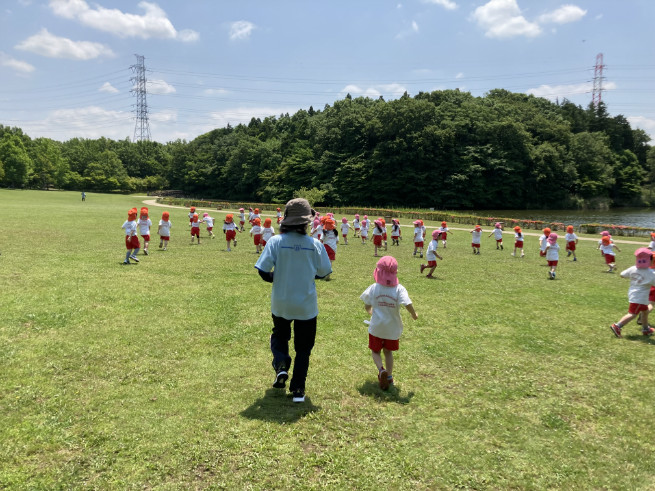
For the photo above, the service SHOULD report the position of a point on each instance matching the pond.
(632, 217)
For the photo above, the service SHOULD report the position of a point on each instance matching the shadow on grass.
(641, 338)
(277, 406)
(393, 394)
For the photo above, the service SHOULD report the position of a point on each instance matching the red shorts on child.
(209, 229)
(552, 263)
(542, 253)
(262, 242)
(344, 235)
(241, 222)
(257, 238)
(195, 231)
(635, 308)
(473, 244)
(146, 238)
(330, 252)
(444, 235)
(570, 246)
(132, 242)
(384, 236)
(651, 295)
(609, 258)
(376, 344)
(432, 264)
(518, 244)
(499, 241)
(356, 229)
(377, 240)
(418, 244)
(230, 234)
(165, 237)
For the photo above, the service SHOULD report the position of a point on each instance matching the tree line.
(442, 149)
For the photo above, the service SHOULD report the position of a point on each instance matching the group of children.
(142, 226)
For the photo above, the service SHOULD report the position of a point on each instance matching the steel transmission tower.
(142, 127)
(597, 92)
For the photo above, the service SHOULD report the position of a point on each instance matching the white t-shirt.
(209, 221)
(330, 238)
(386, 302)
(443, 229)
(475, 236)
(144, 226)
(295, 260)
(395, 230)
(255, 215)
(356, 223)
(316, 232)
(377, 231)
(641, 280)
(518, 236)
(498, 233)
(418, 234)
(344, 228)
(432, 248)
(651, 246)
(267, 233)
(552, 252)
(608, 249)
(165, 228)
(229, 226)
(543, 242)
(570, 237)
(130, 227)
(255, 230)
(242, 217)
(364, 231)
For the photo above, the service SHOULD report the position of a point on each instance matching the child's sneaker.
(126, 263)
(390, 379)
(513, 254)
(568, 254)
(298, 395)
(421, 256)
(616, 330)
(280, 379)
(383, 377)
(235, 242)
(134, 258)
(161, 245)
(145, 253)
(575, 259)
(648, 331)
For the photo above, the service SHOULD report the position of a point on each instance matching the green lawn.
(158, 375)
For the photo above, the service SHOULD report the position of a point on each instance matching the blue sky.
(65, 64)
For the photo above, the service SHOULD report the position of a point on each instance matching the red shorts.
(376, 344)
(635, 308)
(209, 229)
(132, 242)
(230, 234)
(241, 222)
(499, 241)
(610, 258)
(518, 244)
(432, 264)
(165, 237)
(418, 244)
(552, 263)
(477, 246)
(330, 252)
(146, 238)
(257, 239)
(651, 295)
(542, 253)
(377, 240)
(344, 235)
(195, 231)
(395, 237)
(279, 219)
(444, 235)
(262, 242)
(570, 246)
(384, 236)
(356, 229)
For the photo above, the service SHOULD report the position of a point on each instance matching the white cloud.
(503, 19)
(154, 23)
(107, 87)
(459, 75)
(19, 66)
(388, 91)
(241, 29)
(598, 17)
(563, 15)
(51, 46)
(646, 124)
(215, 91)
(414, 26)
(163, 116)
(243, 115)
(553, 92)
(447, 4)
(412, 29)
(159, 87)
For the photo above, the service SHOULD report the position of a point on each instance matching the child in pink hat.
(476, 234)
(395, 232)
(497, 232)
(378, 234)
(418, 238)
(382, 300)
(552, 254)
(356, 225)
(366, 224)
(345, 227)
(432, 254)
(641, 279)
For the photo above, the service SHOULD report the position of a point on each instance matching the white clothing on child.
(165, 228)
(386, 301)
(641, 280)
(432, 249)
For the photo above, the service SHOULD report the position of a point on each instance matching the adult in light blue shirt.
(292, 261)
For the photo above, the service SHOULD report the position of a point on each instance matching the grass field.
(158, 375)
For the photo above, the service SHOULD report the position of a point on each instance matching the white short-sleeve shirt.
(144, 226)
(165, 228)
(432, 248)
(641, 279)
(386, 302)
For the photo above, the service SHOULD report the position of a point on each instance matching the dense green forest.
(443, 149)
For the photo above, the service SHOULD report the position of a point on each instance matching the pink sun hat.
(552, 238)
(386, 271)
(344, 220)
(436, 234)
(643, 257)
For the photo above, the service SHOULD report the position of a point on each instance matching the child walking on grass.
(356, 225)
(641, 280)
(365, 226)
(195, 228)
(209, 222)
(444, 233)
(432, 254)
(144, 229)
(164, 230)
(345, 226)
(267, 232)
(242, 218)
(230, 230)
(552, 254)
(497, 232)
(571, 242)
(395, 232)
(518, 240)
(131, 238)
(256, 234)
(382, 301)
(476, 235)
(377, 235)
(418, 238)
(543, 242)
(607, 249)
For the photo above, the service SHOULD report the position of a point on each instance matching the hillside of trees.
(444, 149)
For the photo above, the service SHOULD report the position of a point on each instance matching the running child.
(255, 215)
(395, 232)
(267, 232)
(476, 236)
(317, 229)
(192, 210)
(131, 238)
(209, 221)
(256, 234)
(330, 240)
(345, 227)
(444, 233)
(242, 218)
(164, 230)
(418, 237)
(518, 240)
(651, 246)
(279, 215)
(377, 235)
(543, 241)
(356, 226)
(431, 255)
(571, 242)
(552, 254)
(497, 232)
(607, 248)
(641, 280)
(230, 230)
(604, 233)
(144, 228)
(365, 226)
(384, 232)
(382, 301)
(195, 228)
